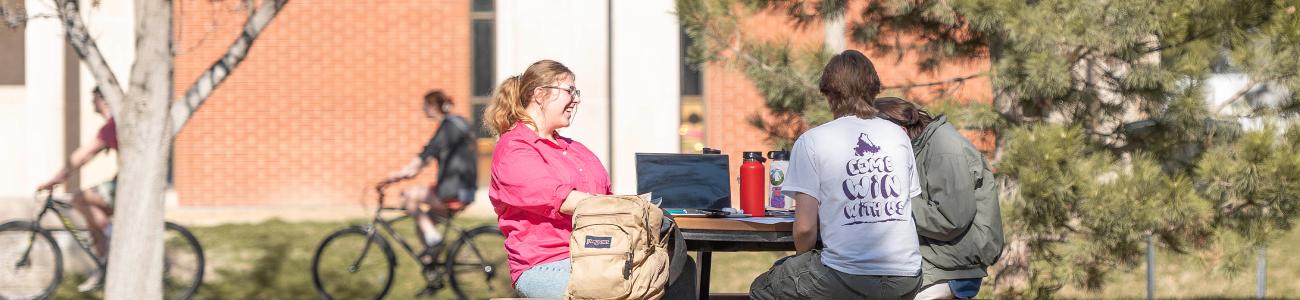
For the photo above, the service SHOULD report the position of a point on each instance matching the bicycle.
(356, 262)
(31, 261)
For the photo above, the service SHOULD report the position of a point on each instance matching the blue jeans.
(546, 280)
(549, 280)
(965, 288)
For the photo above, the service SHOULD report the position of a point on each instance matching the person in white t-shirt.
(852, 180)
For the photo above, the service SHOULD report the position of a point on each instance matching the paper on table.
(767, 220)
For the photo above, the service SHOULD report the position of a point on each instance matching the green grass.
(271, 260)
(1177, 276)
(732, 272)
(1185, 276)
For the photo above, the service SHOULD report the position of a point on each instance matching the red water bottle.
(753, 184)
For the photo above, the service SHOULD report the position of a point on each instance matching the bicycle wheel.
(353, 264)
(31, 265)
(182, 263)
(478, 265)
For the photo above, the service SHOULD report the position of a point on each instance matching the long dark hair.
(906, 114)
(850, 83)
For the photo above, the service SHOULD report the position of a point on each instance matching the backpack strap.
(677, 255)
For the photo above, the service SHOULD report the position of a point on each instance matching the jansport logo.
(598, 242)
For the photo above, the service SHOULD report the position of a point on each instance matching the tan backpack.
(618, 249)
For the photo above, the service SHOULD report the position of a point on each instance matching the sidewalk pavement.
(207, 216)
(15, 207)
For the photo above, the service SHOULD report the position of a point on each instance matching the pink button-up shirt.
(531, 177)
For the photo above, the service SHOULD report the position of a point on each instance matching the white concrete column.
(14, 176)
(574, 33)
(646, 85)
(112, 24)
(42, 136)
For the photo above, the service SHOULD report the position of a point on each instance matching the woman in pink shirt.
(538, 176)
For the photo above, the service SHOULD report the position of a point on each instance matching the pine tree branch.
(1196, 36)
(1191, 37)
(737, 47)
(948, 81)
(221, 69)
(84, 45)
(787, 76)
(750, 59)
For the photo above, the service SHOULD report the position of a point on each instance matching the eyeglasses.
(573, 91)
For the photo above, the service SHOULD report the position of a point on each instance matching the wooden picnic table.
(708, 235)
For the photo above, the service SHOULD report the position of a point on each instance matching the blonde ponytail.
(506, 108)
(510, 104)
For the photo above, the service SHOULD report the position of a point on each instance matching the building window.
(483, 59)
(692, 107)
(482, 28)
(12, 56)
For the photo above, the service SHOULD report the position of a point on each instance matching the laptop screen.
(684, 180)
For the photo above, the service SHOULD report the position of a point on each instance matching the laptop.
(685, 184)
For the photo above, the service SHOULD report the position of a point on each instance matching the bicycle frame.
(56, 206)
(387, 225)
(442, 267)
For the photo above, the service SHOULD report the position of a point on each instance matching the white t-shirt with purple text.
(863, 175)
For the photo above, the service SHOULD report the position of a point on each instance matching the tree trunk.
(146, 130)
(145, 138)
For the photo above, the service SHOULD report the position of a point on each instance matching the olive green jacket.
(957, 214)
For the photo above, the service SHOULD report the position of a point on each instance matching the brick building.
(328, 101)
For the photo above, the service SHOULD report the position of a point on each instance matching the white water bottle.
(775, 178)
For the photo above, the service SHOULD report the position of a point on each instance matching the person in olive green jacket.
(957, 214)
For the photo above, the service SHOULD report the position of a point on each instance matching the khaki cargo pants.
(804, 276)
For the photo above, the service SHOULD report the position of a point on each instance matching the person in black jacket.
(455, 149)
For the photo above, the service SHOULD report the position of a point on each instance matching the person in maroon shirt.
(95, 203)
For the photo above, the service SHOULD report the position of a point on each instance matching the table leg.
(705, 259)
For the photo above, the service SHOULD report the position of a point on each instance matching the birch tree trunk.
(145, 139)
(147, 125)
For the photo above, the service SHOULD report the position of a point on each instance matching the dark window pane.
(479, 108)
(484, 5)
(484, 58)
(12, 50)
(690, 73)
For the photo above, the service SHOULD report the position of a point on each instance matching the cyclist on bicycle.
(454, 147)
(95, 203)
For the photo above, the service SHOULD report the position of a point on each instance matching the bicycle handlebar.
(49, 194)
(379, 188)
